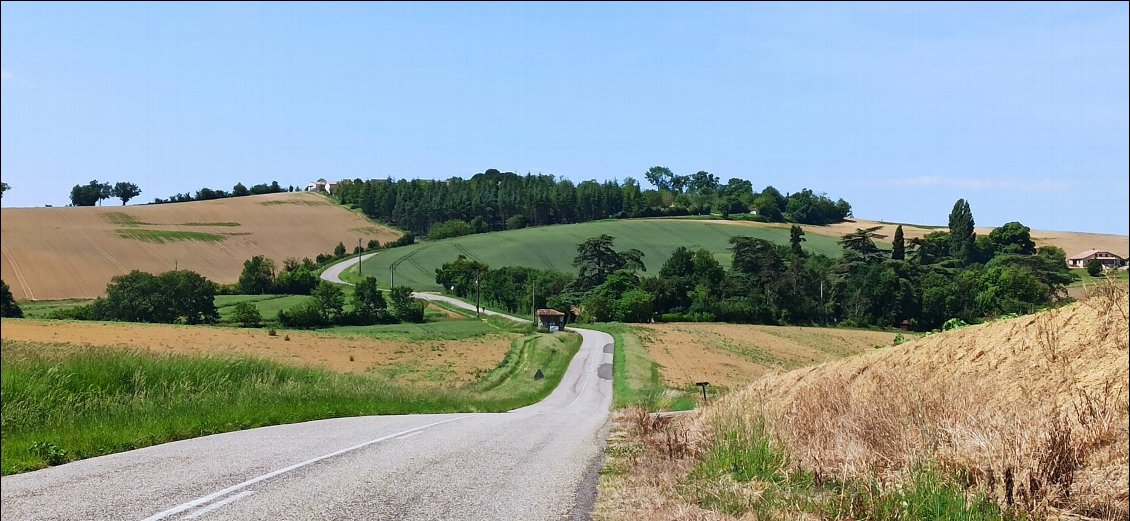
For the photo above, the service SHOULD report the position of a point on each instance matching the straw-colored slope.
(56, 253)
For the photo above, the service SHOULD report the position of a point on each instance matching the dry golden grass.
(454, 362)
(59, 253)
(1032, 412)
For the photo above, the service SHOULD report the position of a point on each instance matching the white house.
(1108, 259)
(321, 185)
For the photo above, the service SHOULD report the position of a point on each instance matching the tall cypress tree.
(899, 250)
(961, 232)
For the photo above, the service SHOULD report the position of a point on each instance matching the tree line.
(239, 190)
(920, 283)
(495, 200)
(95, 192)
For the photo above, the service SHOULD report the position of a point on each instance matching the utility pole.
(359, 255)
(478, 292)
(392, 269)
(533, 305)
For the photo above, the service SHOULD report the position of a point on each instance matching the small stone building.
(551, 320)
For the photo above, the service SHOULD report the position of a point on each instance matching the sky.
(1022, 109)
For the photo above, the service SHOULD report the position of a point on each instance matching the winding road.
(537, 462)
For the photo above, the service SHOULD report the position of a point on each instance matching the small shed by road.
(551, 320)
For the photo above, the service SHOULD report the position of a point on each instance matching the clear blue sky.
(1020, 108)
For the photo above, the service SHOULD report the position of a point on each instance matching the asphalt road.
(538, 462)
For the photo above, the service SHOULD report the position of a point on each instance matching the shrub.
(307, 315)
(1094, 268)
(452, 228)
(516, 222)
(247, 314)
(8, 306)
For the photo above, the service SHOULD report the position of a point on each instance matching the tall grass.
(62, 403)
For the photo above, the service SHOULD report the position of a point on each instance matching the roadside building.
(551, 320)
(1108, 259)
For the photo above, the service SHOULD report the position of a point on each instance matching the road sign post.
(703, 386)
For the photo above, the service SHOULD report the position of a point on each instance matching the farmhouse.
(321, 185)
(1108, 259)
(551, 320)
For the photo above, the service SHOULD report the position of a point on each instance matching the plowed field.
(58, 253)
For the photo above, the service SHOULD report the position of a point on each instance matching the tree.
(661, 177)
(796, 236)
(404, 306)
(459, 276)
(239, 190)
(339, 250)
(330, 299)
(173, 296)
(898, 252)
(8, 306)
(962, 238)
(258, 276)
(1013, 238)
(247, 314)
(125, 191)
(862, 240)
(89, 194)
(1094, 268)
(596, 260)
(369, 302)
(4, 188)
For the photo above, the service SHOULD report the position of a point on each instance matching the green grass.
(635, 375)
(44, 308)
(439, 330)
(268, 305)
(1085, 280)
(554, 247)
(226, 223)
(124, 219)
(747, 454)
(62, 403)
(163, 236)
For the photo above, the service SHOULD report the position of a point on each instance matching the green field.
(268, 305)
(163, 236)
(554, 247)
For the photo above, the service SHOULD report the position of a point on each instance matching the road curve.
(537, 462)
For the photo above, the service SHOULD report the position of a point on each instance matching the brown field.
(417, 361)
(1071, 242)
(732, 355)
(60, 253)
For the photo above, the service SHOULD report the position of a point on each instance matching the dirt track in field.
(58, 253)
(419, 361)
(733, 355)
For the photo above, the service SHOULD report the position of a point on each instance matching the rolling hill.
(57, 253)
(554, 247)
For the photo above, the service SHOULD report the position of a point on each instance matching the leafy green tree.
(125, 191)
(679, 264)
(246, 314)
(898, 251)
(369, 302)
(406, 307)
(1013, 238)
(635, 305)
(4, 188)
(661, 177)
(597, 259)
(239, 190)
(962, 237)
(459, 277)
(330, 299)
(8, 306)
(796, 236)
(1094, 268)
(339, 250)
(89, 194)
(258, 276)
(173, 296)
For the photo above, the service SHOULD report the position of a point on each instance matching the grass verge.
(635, 375)
(62, 403)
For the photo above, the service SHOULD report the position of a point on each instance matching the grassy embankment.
(62, 402)
(554, 247)
(1018, 419)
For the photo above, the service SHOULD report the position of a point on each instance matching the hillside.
(1030, 413)
(57, 253)
(554, 247)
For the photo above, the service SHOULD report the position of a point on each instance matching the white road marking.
(409, 435)
(205, 499)
(219, 504)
